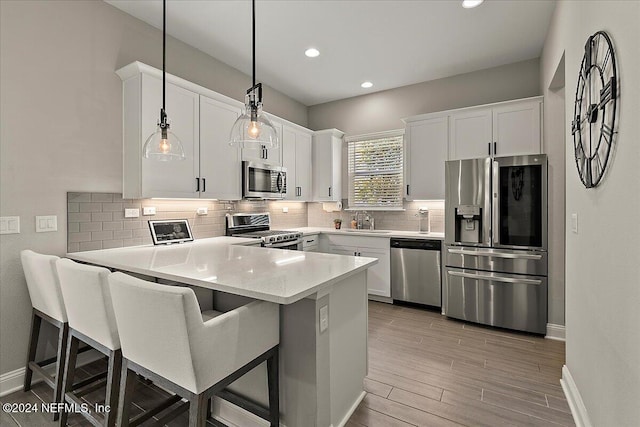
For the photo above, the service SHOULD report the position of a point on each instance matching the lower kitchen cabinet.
(378, 276)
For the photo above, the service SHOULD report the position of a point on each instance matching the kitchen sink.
(352, 230)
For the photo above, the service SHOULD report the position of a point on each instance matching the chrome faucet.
(364, 221)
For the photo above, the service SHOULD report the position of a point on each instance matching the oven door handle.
(494, 254)
(494, 278)
(282, 244)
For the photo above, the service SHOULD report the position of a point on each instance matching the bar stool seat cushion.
(43, 285)
(162, 329)
(88, 300)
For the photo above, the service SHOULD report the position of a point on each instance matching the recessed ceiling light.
(366, 85)
(312, 52)
(469, 4)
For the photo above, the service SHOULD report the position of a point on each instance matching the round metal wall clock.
(595, 109)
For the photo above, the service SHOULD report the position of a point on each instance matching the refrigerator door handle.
(494, 254)
(495, 211)
(494, 278)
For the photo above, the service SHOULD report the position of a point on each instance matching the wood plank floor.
(427, 370)
(424, 370)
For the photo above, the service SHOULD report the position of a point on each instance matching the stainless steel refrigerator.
(496, 241)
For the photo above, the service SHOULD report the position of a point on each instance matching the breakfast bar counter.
(323, 317)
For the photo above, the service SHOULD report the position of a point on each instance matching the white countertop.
(370, 233)
(223, 264)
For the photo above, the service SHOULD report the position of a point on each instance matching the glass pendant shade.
(163, 145)
(253, 129)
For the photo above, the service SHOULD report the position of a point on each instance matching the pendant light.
(163, 145)
(253, 129)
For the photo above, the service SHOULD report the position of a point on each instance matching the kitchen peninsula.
(323, 361)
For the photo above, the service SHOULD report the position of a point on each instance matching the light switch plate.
(202, 211)
(10, 225)
(131, 213)
(285, 209)
(324, 318)
(149, 210)
(574, 222)
(46, 223)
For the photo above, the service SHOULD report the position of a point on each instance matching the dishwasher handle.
(421, 244)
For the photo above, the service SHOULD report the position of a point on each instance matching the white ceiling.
(391, 43)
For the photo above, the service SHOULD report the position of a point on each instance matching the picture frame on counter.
(165, 232)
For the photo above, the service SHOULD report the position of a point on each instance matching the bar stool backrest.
(87, 298)
(43, 284)
(155, 323)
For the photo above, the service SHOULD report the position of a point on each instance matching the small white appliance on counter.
(258, 226)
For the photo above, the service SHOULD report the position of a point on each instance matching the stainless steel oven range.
(258, 226)
(496, 241)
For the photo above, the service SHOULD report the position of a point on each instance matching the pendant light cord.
(253, 34)
(164, 49)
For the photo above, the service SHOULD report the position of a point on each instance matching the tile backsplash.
(406, 220)
(96, 220)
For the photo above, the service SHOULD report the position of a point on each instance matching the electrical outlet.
(285, 209)
(45, 224)
(131, 213)
(202, 211)
(324, 318)
(149, 210)
(574, 222)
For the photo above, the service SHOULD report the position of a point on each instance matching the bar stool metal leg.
(36, 322)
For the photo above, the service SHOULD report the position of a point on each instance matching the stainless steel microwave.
(263, 181)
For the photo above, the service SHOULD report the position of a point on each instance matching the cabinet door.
(426, 154)
(289, 161)
(303, 166)
(516, 129)
(327, 167)
(379, 275)
(471, 134)
(174, 178)
(220, 167)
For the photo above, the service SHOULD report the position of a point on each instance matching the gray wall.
(603, 258)
(61, 115)
(383, 110)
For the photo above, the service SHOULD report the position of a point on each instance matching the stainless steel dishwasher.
(416, 272)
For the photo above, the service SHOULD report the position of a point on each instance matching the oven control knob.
(272, 239)
(279, 238)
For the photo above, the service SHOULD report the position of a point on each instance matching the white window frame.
(400, 171)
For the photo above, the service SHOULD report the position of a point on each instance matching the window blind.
(376, 172)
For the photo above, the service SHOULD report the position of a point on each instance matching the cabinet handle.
(489, 148)
(495, 148)
(407, 189)
(329, 191)
(197, 184)
(204, 184)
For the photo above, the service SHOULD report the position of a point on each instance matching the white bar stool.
(164, 338)
(87, 299)
(48, 305)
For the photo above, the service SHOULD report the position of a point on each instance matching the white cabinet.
(425, 155)
(142, 178)
(327, 165)
(311, 243)
(220, 166)
(296, 157)
(379, 275)
(271, 156)
(502, 129)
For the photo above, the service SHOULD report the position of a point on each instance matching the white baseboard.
(351, 410)
(578, 410)
(555, 332)
(14, 380)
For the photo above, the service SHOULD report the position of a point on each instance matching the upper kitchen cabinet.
(425, 154)
(142, 96)
(296, 157)
(270, 156)
(501, 129)
(220, 165)
(327, 165)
